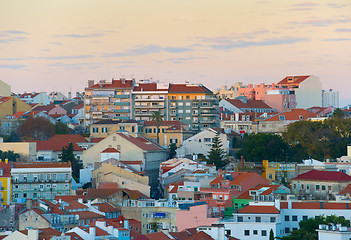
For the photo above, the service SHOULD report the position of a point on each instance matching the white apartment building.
(330, 98)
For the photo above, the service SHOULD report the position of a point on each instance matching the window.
(258, 219)
(254, 232)
(180, 111)
(180, 103)
(104, 130)
(304, 218)
(240, 219)
(323, 187)
(264, 233)
(287, 230)
(294, 229)
(133, 129)
(15, 195)
(329, 188)
(317, 187)
(294, 218)
(247, 232)
(272, 220)
(95, 130)
(207, 140)
(286, 218)
(121, 128)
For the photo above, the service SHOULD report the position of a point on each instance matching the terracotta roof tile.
(259, 209)
(249, 104)
(42, 165)
(6, 169)
(200, 236)
(186, 88)
(110, 150)
(144, 145)
(126, 84)
(316, 175)
(293, 115)
(106, 207)
(74, 138)
(293, 80)
(88, 215)
(347, 190)
(164, 123)
(147, 87)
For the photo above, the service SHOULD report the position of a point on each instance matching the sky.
(59, 45)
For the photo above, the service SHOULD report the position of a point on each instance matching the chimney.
(92, 231)
(90, 83)
(69, 95)
(29, 203)
(242, 162)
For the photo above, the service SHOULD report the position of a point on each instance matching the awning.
(159, 214)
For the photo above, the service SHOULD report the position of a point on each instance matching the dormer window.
(281, 117)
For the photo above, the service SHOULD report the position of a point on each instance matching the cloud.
(337, 5)
(145, 50)
(306, 4)
(57, 43)
(66, 57)
(92, 35)
(11, 59)
(13, 66)
(12, 36)
(343, 30)
(45, 50)
(321, 22)
(227, 43)
(337, 39)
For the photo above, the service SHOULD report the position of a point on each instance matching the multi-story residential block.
(194, 105)
(56, 97)
(26, 150)
(105, 100)
(5, 181)
(149, 97)
(330, 98)
(308, 90)
(105, 127)
(34, 97)
(242, 105)
(40, 180)
(240, 123)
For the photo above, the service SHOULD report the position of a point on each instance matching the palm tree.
(157, 119)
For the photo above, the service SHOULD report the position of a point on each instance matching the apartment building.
(330, 98)
(5, 181)
(40, 180)
(149, 97)
(105, 127)
(108, 100)
(194, 105)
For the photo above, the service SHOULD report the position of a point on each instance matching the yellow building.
(105, 127)
(169, 132)
(5, 181)
(274, 171)
(108, 173)
(269, 170)
(11, 105)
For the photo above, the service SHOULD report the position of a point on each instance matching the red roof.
(316, 175)
(74, 138)
(142, 144)
(248, 103)
(42, 165)
(29, 95)
(74, 205)
(115, 84)
(6, 169)
(96, 140)
(105, 207)
(293, 80)
(4, 99)
(186, 88)
(347, 190)
(259, 209)
(70, 197)
(293, 115)
(110, 150)
(55, 146)
(79, 106)
(316, 205)
(88, 215)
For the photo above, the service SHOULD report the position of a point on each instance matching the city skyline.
(62, 44)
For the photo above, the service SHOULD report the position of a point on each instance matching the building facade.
(40, 180)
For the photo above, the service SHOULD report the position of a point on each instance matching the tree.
(172, 150)
(10, 155)
(217, 155)
(157, 119)
(338, 113)
(61, 128)
(67, 155)
(271, 235)
(13, 137)
(308, 227)
(38, 128)
(263, 146)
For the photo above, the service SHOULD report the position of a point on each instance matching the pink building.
(193, 216)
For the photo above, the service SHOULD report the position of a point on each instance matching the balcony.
(122, 117)
(122, 103)
(149, 99)
(143, 114)
(122, 96)
(207, 114)
(122, 110)
(152, 106)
